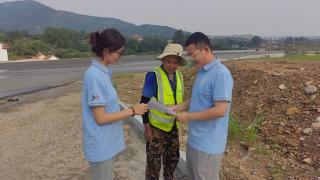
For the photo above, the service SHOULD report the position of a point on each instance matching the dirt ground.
(40, 135)
(40, 138)
(270, 95)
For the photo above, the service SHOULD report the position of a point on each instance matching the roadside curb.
(32, 90)
(138, 123)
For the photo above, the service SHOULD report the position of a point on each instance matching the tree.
(29, 47)
(12, 36)
(1, 36)
(179, 37)
(256, 41)
(62, 38)
(132, 46)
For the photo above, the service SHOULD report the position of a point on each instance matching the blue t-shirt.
(100, 142)
(213, 83)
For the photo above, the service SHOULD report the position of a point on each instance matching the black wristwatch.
(134, 112)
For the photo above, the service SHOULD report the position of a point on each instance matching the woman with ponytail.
(102, 126)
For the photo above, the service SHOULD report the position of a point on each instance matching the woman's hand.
(140, 109)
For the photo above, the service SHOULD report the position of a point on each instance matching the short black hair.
(198, 38)
(109, 38)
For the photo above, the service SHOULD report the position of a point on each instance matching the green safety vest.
(159, 119)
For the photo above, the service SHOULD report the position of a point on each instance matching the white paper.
(160, 107)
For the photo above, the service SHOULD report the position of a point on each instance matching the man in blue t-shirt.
(209, 109)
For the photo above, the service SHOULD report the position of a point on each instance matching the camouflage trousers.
(165, 147)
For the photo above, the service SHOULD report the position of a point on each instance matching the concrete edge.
(259, 56)
(138, 123)
(32, 90)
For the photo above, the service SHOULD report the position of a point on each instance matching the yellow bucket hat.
(175, 50)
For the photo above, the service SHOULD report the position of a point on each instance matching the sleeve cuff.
(97, 104)
(222, 99)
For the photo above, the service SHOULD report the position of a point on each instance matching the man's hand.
(148, 133)
(180, 107)
(183, 117)
(173, 108)
(176, 108)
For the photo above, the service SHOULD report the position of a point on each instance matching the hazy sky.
(215, 17)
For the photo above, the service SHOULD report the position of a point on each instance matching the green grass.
(249, 134)
(253, 129)
(300, 57)
(236, 129)
(275, 147)
(276, 171)
(261, 149)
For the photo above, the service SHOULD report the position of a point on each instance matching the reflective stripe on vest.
(158, 119)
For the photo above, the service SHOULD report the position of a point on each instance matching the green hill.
(35, 17)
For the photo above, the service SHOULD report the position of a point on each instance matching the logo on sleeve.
(96, 97)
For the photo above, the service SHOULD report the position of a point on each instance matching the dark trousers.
(165, 147)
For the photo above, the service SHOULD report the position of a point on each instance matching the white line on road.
(3, 71)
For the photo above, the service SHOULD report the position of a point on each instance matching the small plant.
(275, 147)
(260, 149)
(276, 170)
(253, 130)
(235, 128)
(240, 132)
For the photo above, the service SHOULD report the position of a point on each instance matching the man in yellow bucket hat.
(163, 85)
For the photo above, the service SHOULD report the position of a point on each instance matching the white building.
(3, 53)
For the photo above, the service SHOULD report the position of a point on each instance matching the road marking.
(3, 71)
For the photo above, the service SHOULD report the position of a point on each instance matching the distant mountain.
(35, 17)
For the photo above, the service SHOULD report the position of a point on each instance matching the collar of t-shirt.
(213, 63)
(102, 67)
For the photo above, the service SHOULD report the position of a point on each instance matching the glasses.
(121, 53)
(194, 54)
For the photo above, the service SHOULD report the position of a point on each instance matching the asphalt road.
(22, 77)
